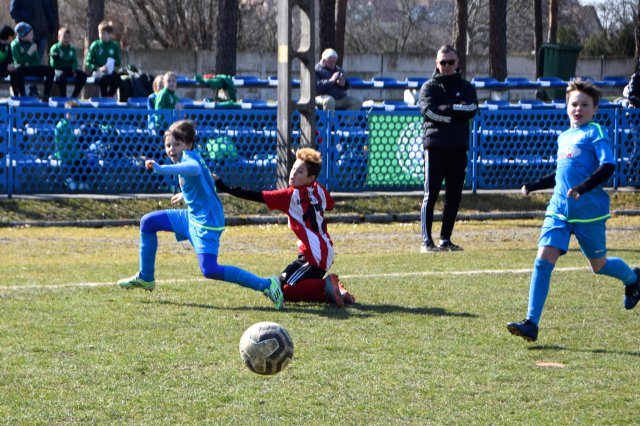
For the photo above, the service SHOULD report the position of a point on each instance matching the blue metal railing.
(102, 150)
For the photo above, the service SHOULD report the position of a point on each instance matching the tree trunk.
(553, 21)
(95, 15)
(341, 24)
(227, 37)
(460, 33)
(498, 39)
(537, 34)
(327, 24)
(637, 37)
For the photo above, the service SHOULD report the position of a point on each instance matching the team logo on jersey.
(110, 51)
(569, 152)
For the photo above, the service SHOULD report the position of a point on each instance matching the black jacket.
(5, 59)
(448, 128)
(324, 86)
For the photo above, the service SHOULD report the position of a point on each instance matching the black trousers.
(450, 166)
(42, 71)
(80, 78)
(108, 83)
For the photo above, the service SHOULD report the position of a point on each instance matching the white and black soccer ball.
(266, 348)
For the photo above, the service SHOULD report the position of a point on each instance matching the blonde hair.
(158, 83)
(312, 159)
(106, 26)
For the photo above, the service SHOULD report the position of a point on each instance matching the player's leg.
(592, 239)
(304, 282)
(553, 242)
(80, 79)
(455, 174)
(206, 248)
(433, 175)
(61, 80)
(150, 224)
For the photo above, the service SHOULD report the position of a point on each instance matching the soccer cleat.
(447, 245)
(525, 329)
(429, 247)
(332, 290)
(346, 296)
(137, 282)
(632, 292)
(274, 292)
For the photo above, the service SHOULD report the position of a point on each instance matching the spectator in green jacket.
(69, 151)
(64, 60)
(103, 59)
(166, 98)
(26, 61)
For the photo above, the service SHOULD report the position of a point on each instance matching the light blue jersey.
(203, 221)
(581, 151)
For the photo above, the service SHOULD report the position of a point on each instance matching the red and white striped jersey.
(305, 207)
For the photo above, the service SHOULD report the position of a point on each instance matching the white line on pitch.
(392, 274)
(444, 273)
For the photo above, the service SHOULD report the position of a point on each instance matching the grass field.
(425, 344)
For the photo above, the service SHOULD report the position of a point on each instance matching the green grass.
(65, 209)
(426, 343)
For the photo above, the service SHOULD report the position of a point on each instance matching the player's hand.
(149, 164)
(177, 198)
(572, 193)
(103, 69)
(11, 68)
(524, 190)
(442, 107)
(215, 176)
(32, 49)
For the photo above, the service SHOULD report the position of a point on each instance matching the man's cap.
(23, 29)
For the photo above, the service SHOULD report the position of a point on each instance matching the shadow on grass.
(328, 310)
(594, 351)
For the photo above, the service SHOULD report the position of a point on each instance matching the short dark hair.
(6, 31)
(446, 48)
(183, 130)
(586, 87)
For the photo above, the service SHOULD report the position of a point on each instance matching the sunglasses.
(449, 62)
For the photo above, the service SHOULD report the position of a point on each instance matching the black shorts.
(299, 270)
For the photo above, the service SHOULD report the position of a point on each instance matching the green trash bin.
(558, 60)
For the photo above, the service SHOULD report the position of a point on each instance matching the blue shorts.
(591, 236)
(203, 240)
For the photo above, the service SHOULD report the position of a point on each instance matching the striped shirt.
(305, 207)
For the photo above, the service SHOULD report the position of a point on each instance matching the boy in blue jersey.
(201, 223)
(579, 206)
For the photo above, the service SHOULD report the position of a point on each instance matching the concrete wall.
(361, 65)
(191, 62)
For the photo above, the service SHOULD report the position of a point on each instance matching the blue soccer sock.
(618, 268)
(148, 248)
(539, 288)
(236, 275)
(232, 274)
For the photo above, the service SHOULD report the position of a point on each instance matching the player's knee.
(212, 272)
(146, 223)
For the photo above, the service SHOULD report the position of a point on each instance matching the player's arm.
(600, 176)
(185, 168)
(238, 191)
(548, 181)
(603, 172)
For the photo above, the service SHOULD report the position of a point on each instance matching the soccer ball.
(266, 348)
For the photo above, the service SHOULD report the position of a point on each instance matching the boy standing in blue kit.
(579, 206)
(201, 223)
